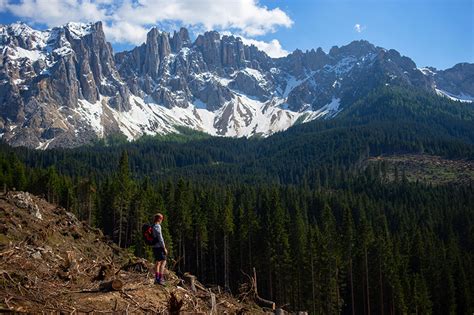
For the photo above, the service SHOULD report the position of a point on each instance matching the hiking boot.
(157, 281)
(162, 282)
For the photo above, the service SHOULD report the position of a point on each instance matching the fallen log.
(114, 285)
(264, 303)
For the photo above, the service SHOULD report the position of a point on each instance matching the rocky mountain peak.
(48, 74)
(156, 49)
(65, 86)
(357, 48)
(180, 39)
(79, 30)
(458, 81)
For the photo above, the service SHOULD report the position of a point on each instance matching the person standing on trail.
(159, 250)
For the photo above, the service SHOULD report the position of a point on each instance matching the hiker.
(159, 250)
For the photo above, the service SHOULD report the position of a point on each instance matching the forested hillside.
(326, 232)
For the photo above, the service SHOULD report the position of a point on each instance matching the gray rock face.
(457, 80)
(163, 67)
(49, 72)
(179, 40)
(249, 85)
(65, 86)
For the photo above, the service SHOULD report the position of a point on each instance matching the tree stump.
(174, 305)
(213, 303)
(190, 280)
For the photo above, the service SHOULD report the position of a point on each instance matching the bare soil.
(51, 262)
(427, 168)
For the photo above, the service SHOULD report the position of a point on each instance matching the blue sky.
(435, 33)
(432, 33)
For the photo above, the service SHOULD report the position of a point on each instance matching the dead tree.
(252, 291)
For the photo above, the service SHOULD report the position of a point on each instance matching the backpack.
(147, 232)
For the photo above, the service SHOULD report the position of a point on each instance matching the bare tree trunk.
(393, 302)
(250, 251)
(270, 282)
(352, 286)
(312, 283)
(198, 244)
(381, 287)
(120, 224)
(203, 263)
(89, 212)
(338, 295)
(215, 256)
(367, 280)
(226, 263)
(183, 243)
(364, 293)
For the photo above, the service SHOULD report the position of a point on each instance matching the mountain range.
(65, 87)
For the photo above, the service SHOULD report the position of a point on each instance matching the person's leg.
(156, 255)
(157, 267)
(162, 269)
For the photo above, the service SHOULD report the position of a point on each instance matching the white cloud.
(272, 48)
(127, 21)
(56, 12)
(359, 28)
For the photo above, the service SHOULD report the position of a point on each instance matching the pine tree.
(122, 194)
(366, 238)
(227, 228)
(348, 230)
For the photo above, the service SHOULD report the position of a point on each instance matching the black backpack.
(147, 232)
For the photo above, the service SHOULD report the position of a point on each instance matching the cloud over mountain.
(127, 21)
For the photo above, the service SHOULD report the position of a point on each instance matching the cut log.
(200, 286)
(264, 303)
(114, 285)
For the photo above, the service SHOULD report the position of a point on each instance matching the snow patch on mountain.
(242, 116)
(460, 97)
(328, 110)
(92, 115)
(79, 30)
(427, 71)
(257, 75)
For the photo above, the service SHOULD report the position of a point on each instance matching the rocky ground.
(51, 262)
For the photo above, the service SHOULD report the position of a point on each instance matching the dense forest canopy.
(325, 231)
